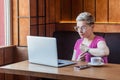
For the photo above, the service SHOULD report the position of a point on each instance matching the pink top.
(92, 45)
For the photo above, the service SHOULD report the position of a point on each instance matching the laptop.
(43, 50)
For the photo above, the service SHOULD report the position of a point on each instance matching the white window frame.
(7, 7)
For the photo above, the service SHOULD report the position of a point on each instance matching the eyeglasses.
(82, 28)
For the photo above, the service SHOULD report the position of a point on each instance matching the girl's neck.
(91, 37)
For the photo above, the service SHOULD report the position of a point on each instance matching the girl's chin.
(82, 36)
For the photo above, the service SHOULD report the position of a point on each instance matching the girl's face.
(83, 29)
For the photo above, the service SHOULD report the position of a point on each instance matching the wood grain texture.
(24, 9)
(33, 21)
(41, 20)
(77, 8)
(66, 12)
(106, 72)
(41, 8)
(20, 54)
(102, 10)
(50, 28)
(114, 7)
(24, 30)
(89, 6)
(41, 30)
(1, 56)
(33, 8)
(57, 10)
(33, 30)
(14, 23)
(8, 55)
(50, 11)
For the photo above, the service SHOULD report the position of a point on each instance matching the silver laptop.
(43, 50)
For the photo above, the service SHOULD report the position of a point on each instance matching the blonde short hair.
(86, 16)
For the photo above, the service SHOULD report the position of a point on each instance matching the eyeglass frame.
(83, 28)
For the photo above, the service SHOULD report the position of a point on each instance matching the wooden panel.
(66, 10)
(33, 8)
(15, 23)
(9, 77)
(65, 27)
(100, 28)
(8, 55)
(20, 54)
(41, 20)
(101, 10)
(77, 7)
(114, 8)
(1, 56)
(21, 77)
(113, 28)
(1, 62)
(24, 8)
(89, 6)
(50, 28)
(57, 10)
(41, 7)
(33, 30)
(33, 21)
(2, 76)
(24, 27)
(41, 30)
(50, 11)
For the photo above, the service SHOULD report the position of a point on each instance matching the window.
(2, 30)
(4, 22)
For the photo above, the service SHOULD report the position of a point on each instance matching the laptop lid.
(43, 50)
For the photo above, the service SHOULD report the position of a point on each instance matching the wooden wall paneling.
(2, 76)
(114, 8)
(57, 10)
(50, 28)
(21, 77)
(42, 30)
(1, 56)
(66, 12)
(14, 23)
(1, 62)
(41, 26)
(41, 20)
(9, 77)
(24, 30)
(33, 8)
(65, 27)
(33, 30)
(101, 10)
(20, 54)
(24, 8)
(77, 7)
(8, 54)
(41, 7)
(47, 11)
(33, 21)
(89, 6)
(50, 11)
(113, 28)
(50, 17)
(35, 78)
(100, 28)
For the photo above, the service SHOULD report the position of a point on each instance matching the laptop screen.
(42, 50)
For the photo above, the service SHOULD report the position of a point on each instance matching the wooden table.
(107, 71)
